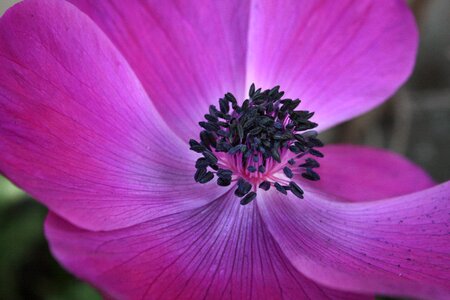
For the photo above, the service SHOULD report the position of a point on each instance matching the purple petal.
(219, 251)
(187, 54)
(357, 173)
(398, 246)
(78, 132)
(341, 58)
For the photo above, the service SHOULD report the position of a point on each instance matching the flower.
(98, 101)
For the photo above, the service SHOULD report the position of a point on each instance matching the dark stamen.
(258, 134)
(208, 139)
(211, 118)
(251, 169)
(315, 153)
(310, 163)
(288, 172)
(207, 177)
(223, 173)
(199, 173)
(201, 163)
(209, 126)
(261, 169)
(248, 198)
(223, 181)
(265, 185)
(280, 188)
(296, 190)
(210, 156)
(243, 188)
(196, 146)
(311, 175)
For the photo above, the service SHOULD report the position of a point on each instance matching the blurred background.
(415, 123)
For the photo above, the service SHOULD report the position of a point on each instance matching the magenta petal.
(78, 132)
(399, 246)
(357, 173)
(221, 251)
(187, 54)
(341, 58)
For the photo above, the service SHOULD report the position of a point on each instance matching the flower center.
(258, 144)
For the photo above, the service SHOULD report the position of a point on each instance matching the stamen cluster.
(263, 130)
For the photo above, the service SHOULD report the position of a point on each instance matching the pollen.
(265, 142)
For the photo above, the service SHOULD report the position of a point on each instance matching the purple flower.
(98, 100)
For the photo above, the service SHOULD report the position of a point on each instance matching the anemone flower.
(169, 174)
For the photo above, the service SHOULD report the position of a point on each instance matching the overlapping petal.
(358, 173)
(78, 131)
(341, 58)
(221, 251)
(398, 246)
(187, 54)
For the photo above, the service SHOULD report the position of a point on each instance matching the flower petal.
(220, 251)
(341, 58)
(187, 54)
(398, 247)
(358, 173)
(78, 131)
